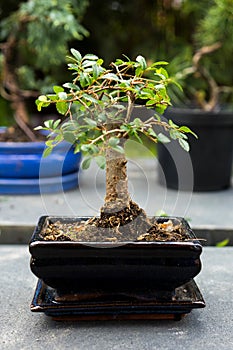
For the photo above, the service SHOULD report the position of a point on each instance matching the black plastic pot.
(69, 266)
(208, 165)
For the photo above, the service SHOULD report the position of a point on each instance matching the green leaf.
(86, 163)
(88, 63)
(85, 148)
(151, 132)
(138, 71)
(174, 134)
(111, 76)
(162, 138)
(159, 63)
(161, 212)
(47, 151)
(49, 123)
(184, 144)
(90, 57)
(62, 95)
(56, 123)
(100, 161)
(187, 130)
(58, 89)
(62, 107)
(141, 60)
(71, 86)
(69, 137)
(223, 243)
(119, 149)
(76, 54)
(90, 122)
(43, 98)
(97, 70)
(113, 141)
(172, 124)
(90, 98)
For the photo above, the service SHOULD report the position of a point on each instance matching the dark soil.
(129, 224)
(15, 134)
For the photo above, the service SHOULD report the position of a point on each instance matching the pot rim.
(38, 241)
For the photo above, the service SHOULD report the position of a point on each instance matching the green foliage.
(42, 31)
(99, 101)
(223, 243)
(208, 79)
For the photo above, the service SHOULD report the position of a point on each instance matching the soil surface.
(15, 134)
(129, 224)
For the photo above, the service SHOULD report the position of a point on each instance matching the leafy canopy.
(102, 106)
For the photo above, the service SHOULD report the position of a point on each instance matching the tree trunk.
(117, 195)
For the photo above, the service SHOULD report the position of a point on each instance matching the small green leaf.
(161, 212)
(162, 138)
(151, 132)
(119, 149)
(141, 60)
(172, 124)
(71, 86)
(88, 63)
(62, 95)
(43, 98)
(47, 151)
(100, 161)
(223, 243)
(113, 141)
(187, 130)
(174, 134)
(86, 163)
(48, 123)
(184, 144)
(62, 107)
(111, 76)
(58, 89)
(56, 123)
(69, 137)
(76, 54)
(90, 57)
(90, 122)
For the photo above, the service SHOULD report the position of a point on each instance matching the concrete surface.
(207, 209)
(208, 329)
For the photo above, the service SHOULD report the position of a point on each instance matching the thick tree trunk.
(117, 195)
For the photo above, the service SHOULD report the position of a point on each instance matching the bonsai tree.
(205, 69)
(34, 42)
(101, 113)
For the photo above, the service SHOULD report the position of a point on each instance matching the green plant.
(35, 40)
(205, 67)
(98, 106)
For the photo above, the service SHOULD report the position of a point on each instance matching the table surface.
(208, 328)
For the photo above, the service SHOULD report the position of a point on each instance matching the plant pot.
(103, 280)
(208, 165)
(68, 266)
(23, 170)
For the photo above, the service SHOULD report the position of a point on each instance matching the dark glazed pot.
(72, 266)
(208, 165)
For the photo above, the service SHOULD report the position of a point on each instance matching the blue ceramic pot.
(24, 170)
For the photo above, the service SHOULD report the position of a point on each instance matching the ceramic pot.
(23, 170)
(69, 266)
(208, 165)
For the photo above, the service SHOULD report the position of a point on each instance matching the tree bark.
(117, 193)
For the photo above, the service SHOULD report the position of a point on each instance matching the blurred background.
(36, 36)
